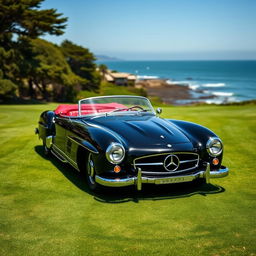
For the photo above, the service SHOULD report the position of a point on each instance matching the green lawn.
(45, 209)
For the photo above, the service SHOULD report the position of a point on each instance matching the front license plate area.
(174, 180)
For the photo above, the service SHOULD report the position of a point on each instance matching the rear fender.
(46, 126)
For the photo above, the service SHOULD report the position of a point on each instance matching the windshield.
(115, 104)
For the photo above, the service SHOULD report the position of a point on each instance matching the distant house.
(117, 78)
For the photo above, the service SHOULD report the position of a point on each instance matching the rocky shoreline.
(172, 93)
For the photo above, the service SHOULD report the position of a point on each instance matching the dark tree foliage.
(48, 73)
(23, 17)
(9, 67)
(20, 21)
(7, 88)
(81, 61)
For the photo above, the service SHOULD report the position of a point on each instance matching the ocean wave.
(214, 101)
(147, 77)
(220, 94)
(225, 94)
(221, 100)
(178, 82)
(193, 86)
(214, 85)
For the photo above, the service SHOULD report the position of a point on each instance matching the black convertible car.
(119, 141)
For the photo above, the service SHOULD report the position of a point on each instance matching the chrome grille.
(155, 164)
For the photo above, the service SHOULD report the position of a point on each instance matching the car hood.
(144, 131)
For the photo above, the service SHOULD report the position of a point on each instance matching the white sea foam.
(177, 82)
(224, 94)
(221, 100)
(214, 101)
(214, 85)
(193, 86)
(220, 94)
(147, 77)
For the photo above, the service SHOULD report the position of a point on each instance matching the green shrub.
(7, 89)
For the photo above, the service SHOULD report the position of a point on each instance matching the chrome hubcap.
(90, 170)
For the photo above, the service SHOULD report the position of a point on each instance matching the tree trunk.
(45, 93)
(32, 93)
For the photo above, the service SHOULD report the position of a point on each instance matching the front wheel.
(90, 174)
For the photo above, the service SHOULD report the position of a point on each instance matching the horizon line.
(117, 59)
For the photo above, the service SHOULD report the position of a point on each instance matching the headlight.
(214, 146)
(115, 153)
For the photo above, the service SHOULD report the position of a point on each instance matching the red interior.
(87, 109)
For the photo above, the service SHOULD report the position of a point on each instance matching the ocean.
(228, 81)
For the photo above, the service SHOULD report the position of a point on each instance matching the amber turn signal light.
(215, 161)
(117, 169)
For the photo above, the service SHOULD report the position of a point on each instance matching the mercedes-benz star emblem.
(171, 163)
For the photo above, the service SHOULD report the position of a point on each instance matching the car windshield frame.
(116, 110)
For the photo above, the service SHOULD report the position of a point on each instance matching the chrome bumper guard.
(139, 179)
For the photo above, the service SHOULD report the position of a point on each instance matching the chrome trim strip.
(79, 107)
(139, 179)
(172, 153)
(223, 172)
(63, 160)
(112, 96)
(188, 161)
(207, 174)
(160, 163)
(160, 173)
(115, 182)
(69, 160)
(150, 164)
(134, 180)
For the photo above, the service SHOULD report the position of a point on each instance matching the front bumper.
(139, 179)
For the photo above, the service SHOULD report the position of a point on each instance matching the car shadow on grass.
(130, 194)
(67, 170)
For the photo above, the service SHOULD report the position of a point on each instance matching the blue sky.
(161, 29)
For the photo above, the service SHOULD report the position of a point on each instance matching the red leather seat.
(87, 109)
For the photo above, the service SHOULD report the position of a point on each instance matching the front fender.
(96, 139)
(195, 132)
(198, 135)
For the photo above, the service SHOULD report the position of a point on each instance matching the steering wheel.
(135, 107)
(129, 109)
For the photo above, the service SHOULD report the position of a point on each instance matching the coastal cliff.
(171, 93)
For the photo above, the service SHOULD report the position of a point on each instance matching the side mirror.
(158, 111)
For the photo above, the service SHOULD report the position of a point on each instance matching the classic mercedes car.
(118, 141)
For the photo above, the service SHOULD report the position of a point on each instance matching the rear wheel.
(47, 151)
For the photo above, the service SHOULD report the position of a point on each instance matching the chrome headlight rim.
(111, 149)
(210, 143)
